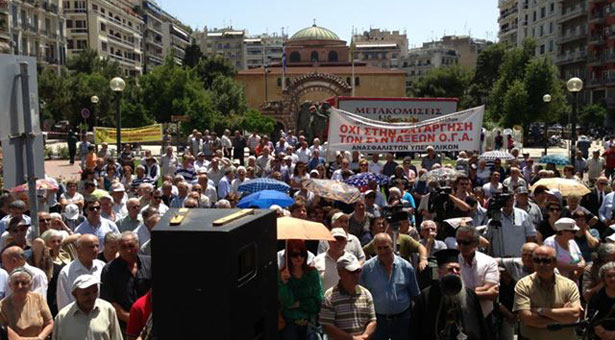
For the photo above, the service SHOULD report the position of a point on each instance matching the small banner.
(453, 132)
(150, 133)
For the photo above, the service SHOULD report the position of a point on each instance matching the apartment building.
(175, 38)
(227, 42)
(421, 61)
(601, 53)
(537, 19)
(113, 28)
(380, 48)
(512, 21)
(263, 50)
(572, 39)
(34, 28)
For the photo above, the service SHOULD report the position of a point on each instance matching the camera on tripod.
(394, 214)
(494, 208)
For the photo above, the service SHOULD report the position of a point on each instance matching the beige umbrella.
(290, 228)
(565, 186)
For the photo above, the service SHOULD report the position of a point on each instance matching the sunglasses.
(94, 208)
(542, 260)
(293, 255)
(465, 242)
(45, 220)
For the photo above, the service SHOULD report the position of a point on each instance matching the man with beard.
(447, 309)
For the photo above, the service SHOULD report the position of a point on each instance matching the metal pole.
(573, 128)
(546, 137)
(118, 125)
(29, 141)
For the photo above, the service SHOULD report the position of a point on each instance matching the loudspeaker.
(215, 282)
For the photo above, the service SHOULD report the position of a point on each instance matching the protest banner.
(453, 132)
(395, 110)
(150, 133)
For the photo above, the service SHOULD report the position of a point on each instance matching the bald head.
(529, 247)
(13, 257)
(544, 251)
(87, 248)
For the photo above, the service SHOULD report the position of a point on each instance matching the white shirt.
(375, 168)
(236, 183)
(353, 246)
(142, 233)
(67, 276)
(507, 240)
(327, 269)
(304, 155)
(482, 270)
(100, 324)
(489, 189)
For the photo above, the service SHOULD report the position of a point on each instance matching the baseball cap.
(336, 216)
(339, 232)
(84, 281)
(71, 211)
(522, 190)
(556, 193)
(348, 262)
(566, 223)
(367, 192)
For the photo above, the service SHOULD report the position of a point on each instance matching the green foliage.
(593, 114)
(486, 74)
(209, 68)
(514, 104)
(228, 98)
(450, 81)
(192, 56)
(253, 120)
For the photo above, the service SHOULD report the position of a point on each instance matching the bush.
(47, 152)
(63, 152)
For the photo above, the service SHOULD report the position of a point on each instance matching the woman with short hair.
(24, 313)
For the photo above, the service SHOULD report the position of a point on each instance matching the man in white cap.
(353, 245)
(347, 309)
(118, 192)
(326, 262)
(88, 318)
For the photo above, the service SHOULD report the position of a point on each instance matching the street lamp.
(94, 99)
(117, 85)
(574, 85)
(546, 99)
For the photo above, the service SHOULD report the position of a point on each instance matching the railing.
(571, 57)
(509, 28)
(576, 11)
(571, 36)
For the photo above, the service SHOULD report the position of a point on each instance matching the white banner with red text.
(453, 132)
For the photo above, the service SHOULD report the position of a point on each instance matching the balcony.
(596, 40)
(572, 36)
(75, 11)
(508, 29)
(153, 41)
(601, 82)
(572, 13)
(571, 58)
(121, 42)
(507, 12)
(596, 18)
(75, 30)
(51, 8)
(600, 58)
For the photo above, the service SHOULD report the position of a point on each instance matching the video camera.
(394, 214)
(494, 208)
(439, 201)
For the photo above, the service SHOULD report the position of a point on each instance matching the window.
(70, 45)
(550, 45)
(551, 27)
(332, 56)
(82, 44)
(543, 12)
(534, 16)
(279, 81)
(542, 31)
(103, 27)
(95, 7)
(552, 7)
(69, 24)
(66, 4)
(35, 22)
(542, 49)
(103, 46)
(314, 56)
(356, 81)
(295, 57)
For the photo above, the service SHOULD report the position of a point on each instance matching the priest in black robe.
(447, 310)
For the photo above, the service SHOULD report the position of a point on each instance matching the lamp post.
(94, 99)
(574, 85)
(117, 85)
(546, 99)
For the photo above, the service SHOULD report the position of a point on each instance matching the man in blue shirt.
(95, 224)
(392, 282)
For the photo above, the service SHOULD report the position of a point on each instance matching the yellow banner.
(150, 133)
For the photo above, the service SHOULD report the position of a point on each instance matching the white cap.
(339, 232)
(348, 262)
(71, 211)
(566, 223)
(117, 187)
(84, 281)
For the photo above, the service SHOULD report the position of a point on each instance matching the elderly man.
(144, 229)
(347, 310)
(16, 208)
(178, 201)
(208, 188)
(155, 201)
(132, 220)
(168, 162)
(428, 232)
(126, 278)
(392, 282)
(478, 271)
(510, 231)
(353, 245)
(326, 262)
(119, 204)
(544, 297)
(447, 309)
(94, 224)
(13, 257)
(88, 318)
(406, 246)
(224, 185)
(85, 263)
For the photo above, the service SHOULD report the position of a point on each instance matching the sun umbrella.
(440, 174)
(557, 159)
(99, 193)
(259, 184)
(493, 155)
(41, 184)
(290, 228)
(361, 180)
(265, 199)
(565, 186)
(334, 190)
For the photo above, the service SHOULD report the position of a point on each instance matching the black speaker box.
(215, 282)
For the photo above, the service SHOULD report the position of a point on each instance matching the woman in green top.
(300, 292)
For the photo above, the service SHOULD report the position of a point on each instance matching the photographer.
(508, 227)
(443, 204)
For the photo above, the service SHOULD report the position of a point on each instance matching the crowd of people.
(435, 248)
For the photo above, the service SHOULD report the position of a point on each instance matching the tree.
(514, 104)
(452, 81)
(253, 120)
(486, 74)
(53, 94)
(228, 98)
(593, 114)
(192, 56)
(209, 68)
(89, 62)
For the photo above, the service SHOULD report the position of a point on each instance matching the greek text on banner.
(453, 132)
(150, 133)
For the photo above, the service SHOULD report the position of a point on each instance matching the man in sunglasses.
(17, 208)
(545, 298)
(95, 224)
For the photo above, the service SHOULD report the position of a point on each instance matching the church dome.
(314, 33)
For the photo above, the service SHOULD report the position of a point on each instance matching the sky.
(421, 20)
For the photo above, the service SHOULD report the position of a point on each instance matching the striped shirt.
(350, 313)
